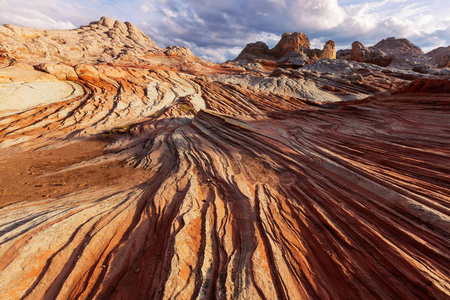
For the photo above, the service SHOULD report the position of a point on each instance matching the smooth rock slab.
(15, 97)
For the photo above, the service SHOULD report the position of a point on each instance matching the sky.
(219, 30)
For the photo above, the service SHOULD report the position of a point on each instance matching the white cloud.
(45, 14)
(316, 43)
(144, 8)
(30, 18)
(417, 20)
(219, 54)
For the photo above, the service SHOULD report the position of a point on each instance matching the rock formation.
(440, 57)
(293, 49)
(398, 53)
(295, 42)
(374, 56)
(329, 50)
(162, 176)
(105, 41)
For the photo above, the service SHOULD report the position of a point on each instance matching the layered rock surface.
(104, 41)
(163, 181)
(97, 41)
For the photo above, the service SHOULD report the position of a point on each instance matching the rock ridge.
(398, 53)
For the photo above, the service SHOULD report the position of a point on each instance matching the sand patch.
(21, 174)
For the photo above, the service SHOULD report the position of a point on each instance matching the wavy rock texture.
(157, 184)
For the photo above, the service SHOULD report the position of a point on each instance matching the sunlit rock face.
(293, 50)
(329, 50)
(164, 176)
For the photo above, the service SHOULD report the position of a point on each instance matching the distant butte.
(130, 171)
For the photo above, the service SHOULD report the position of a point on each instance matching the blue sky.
(219, 30)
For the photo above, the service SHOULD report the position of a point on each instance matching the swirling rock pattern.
(158, 184)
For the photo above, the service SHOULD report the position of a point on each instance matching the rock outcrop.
(440, 57)
(165, 177)
(104, 41)
(291, 43)
(398, 53)
(293, 49)
(329, 50)
(375, 56)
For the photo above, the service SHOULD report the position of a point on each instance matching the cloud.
(30, 18)
(218, 30)
(45, 14)
(211, 27)
(416, 20)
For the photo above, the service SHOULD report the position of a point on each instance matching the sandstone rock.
(60, 71)
(104, 41)
(398, 47)
(254, 50)
(440, 57)
(220, 179)
(112, 38)
(179, 51)
(85, 70)
(138, 36)
(106, 21)
(17, 97)
(278, 84)
(289, 43)
(293, 49)
(360, 53)
(20, 74)
(399, 53)
(329, 50)
(344, 54)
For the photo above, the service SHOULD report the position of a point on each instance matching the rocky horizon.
(289, 46)
(130, 171)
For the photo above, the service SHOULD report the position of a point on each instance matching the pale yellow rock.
(16, 97)
(329, 50)
(20, 74)
(87, 43)
(60, 71)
